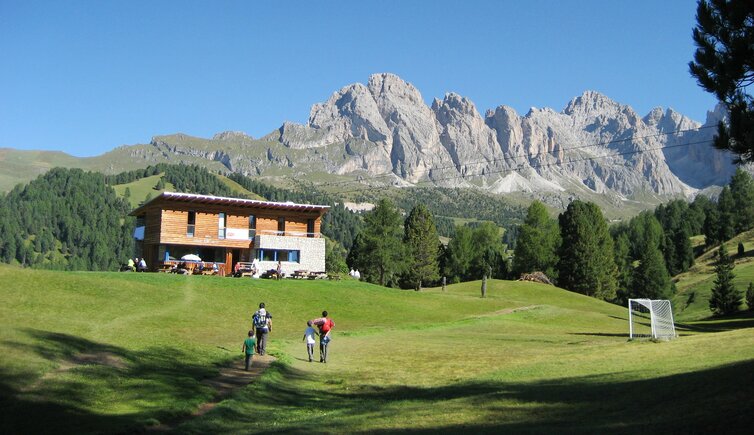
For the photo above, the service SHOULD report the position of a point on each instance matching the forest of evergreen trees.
(635, 259)
(66, 219)
(578, 251)
(71, 219)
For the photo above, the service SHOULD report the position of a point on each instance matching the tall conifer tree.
(380, 249)
(537, 243)
(587, 262)
(420, 237)
(724, 65)
(725, 299)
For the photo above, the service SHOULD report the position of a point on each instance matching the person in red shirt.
(325, 326)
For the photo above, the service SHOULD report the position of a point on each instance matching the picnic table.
(300, 274)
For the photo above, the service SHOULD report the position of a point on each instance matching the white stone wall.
(311, 258)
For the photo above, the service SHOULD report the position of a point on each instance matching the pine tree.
(742, 193)
(380, 250)
(537, 243)
(712, 228)
(488, 258)
(587, 262)
(726, 218)
(723, 65)
(651, 279)
(623, 263)
(750, 296)
(420, 238)
(335, 261)
(725, 299)
(459, 254)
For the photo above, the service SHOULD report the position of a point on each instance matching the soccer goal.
(649, 318)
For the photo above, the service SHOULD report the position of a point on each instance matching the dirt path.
(229, 379)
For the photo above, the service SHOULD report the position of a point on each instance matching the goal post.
(650, 318)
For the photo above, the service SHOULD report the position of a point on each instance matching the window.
(310, 228)
(221, 226)
(278, 255)
(266, 254)
(252, 226)
(191, 226)
(281, 226)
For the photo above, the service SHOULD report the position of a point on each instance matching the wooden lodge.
(224, 231)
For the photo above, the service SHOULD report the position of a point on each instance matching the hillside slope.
(103, 352)
(691, 301)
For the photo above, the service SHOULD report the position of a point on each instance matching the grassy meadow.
(121, 352)
(694, 287)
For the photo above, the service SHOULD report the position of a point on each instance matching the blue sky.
(87, 76)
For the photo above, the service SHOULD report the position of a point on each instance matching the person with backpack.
(325, 326)
(262, 320)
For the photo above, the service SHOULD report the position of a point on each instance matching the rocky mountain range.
(383, 133)
(594, 144)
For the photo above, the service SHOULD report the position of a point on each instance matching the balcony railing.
(289, 234)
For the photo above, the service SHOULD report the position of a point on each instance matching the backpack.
(260, 319)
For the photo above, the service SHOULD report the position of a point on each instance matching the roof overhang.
(193, 198)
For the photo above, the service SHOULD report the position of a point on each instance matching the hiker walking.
(262, 325)
(325, 326)
(309, 334)
(248, 349)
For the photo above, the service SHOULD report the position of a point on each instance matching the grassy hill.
(141, 188)
(694, 287)
(145, 186)
(104, 352)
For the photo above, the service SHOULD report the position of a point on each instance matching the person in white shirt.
(309, 334)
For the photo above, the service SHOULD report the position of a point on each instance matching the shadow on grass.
(719, 400)
(743, 319)
(137, 388)
(601, 334)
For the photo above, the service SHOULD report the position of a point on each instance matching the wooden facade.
(218, 226)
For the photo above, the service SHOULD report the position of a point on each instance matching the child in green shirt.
(248, 348)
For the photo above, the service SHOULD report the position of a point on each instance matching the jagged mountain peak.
(593, 103)
(668, 120)
(232, 135)
(456, 104)
(385, 126)
(388, 85)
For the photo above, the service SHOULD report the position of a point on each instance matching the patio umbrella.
(191, 257)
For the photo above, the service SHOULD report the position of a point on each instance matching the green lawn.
(141, 188)
(110, 352)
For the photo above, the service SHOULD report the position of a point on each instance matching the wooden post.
(484, 286)
(443, 283)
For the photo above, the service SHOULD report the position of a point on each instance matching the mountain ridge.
(595, 145)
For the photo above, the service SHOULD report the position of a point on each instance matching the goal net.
(648, 318)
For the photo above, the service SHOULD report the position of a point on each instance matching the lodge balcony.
(238, 233)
